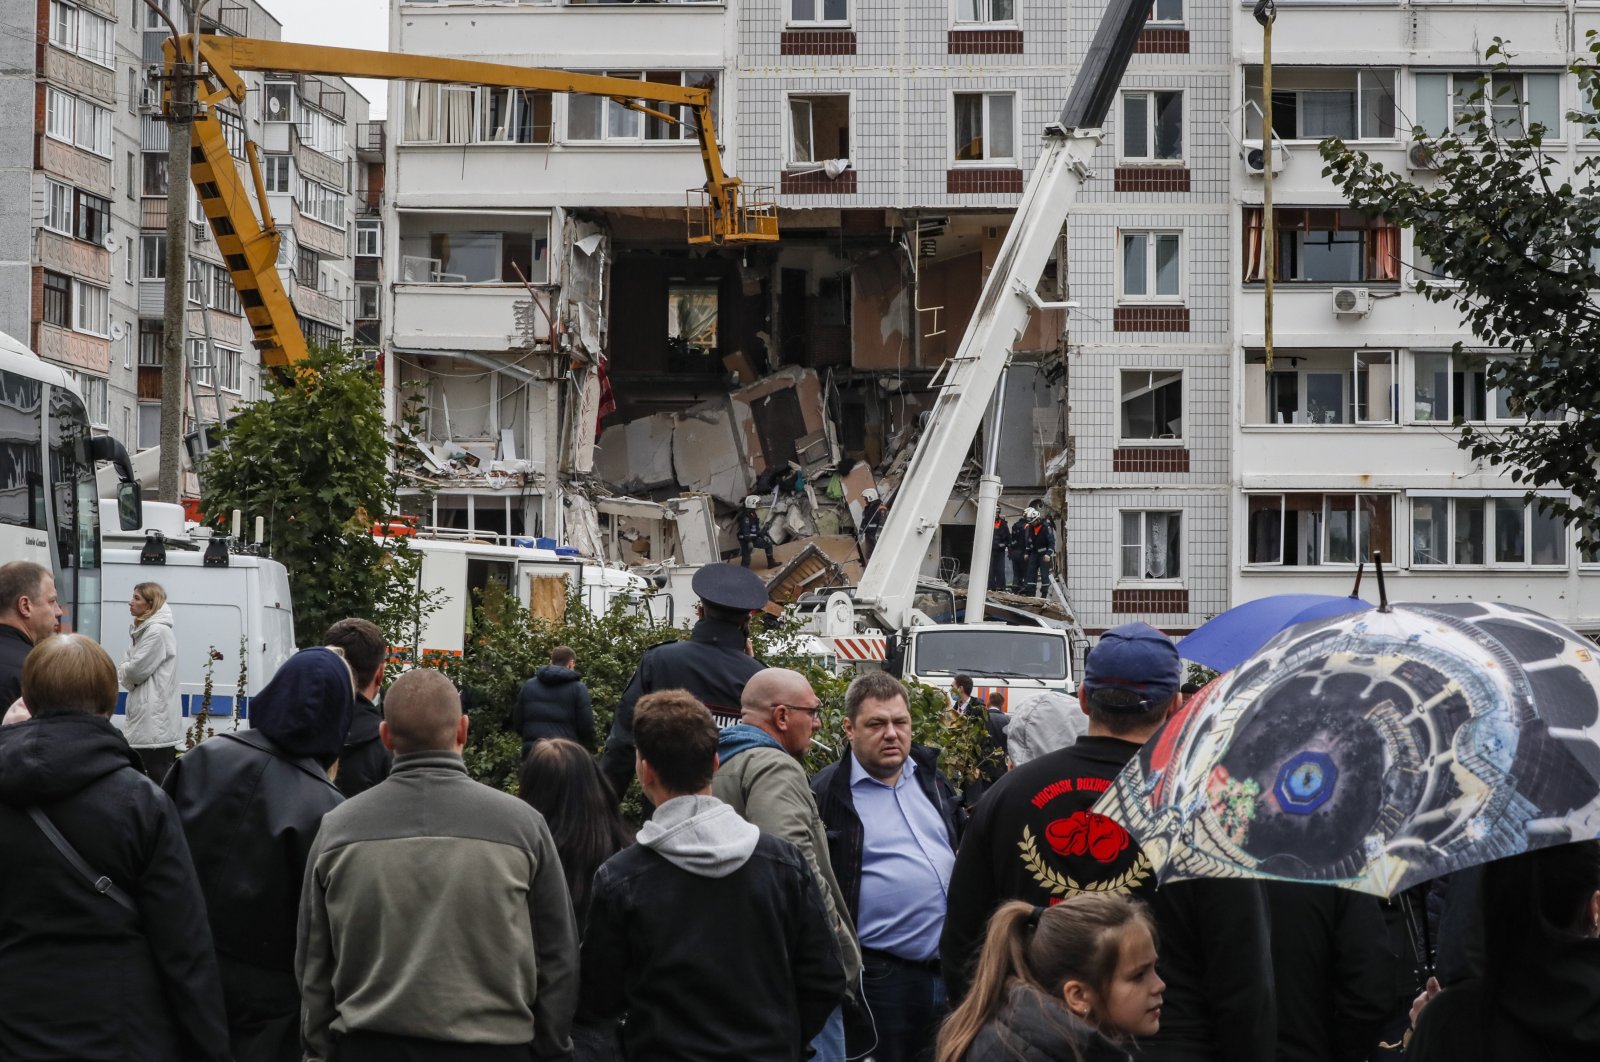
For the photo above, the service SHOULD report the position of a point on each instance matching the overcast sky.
(347, 23)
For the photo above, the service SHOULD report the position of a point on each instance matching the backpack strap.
(99, 882)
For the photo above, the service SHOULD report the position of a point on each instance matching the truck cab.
(1014, 661)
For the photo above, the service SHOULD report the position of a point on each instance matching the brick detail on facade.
(1150, 459)
(1150, 319)
(1152, 179)
(983, 42)
(819, 42)
(1162, 42)
(1150, 602)
(979, 182)
(818, 183)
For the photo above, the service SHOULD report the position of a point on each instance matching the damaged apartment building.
(566, 345)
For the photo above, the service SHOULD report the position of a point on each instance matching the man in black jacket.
(364, 762)
(554, 704)
(708, 933)
(28, 615)
(713, 663)
(1035, 838)
(251, 803)
(893, 824)
(82, 976)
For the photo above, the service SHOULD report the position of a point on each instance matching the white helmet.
(1030, 513)
(752, 500)
(870, 494)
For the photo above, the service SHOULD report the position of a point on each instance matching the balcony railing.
(369, 137)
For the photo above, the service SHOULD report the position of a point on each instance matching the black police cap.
(730, 586)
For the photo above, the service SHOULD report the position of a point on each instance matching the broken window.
(692, 317)
(1516, 102)
(1169, 11)
(516, 116)
(1313, 102)
(596, 118)
(1151, 546)
(1152, 126)
(1324, 245)
(1321, 387)
(1312, 529)
(474, 248)
(985, 127)
(1152, 404)
(819, 129)
(986, 11)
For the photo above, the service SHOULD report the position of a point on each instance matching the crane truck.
(882, 618)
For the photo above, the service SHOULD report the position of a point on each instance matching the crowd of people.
(331, 884)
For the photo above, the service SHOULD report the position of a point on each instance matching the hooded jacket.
(712, 937)
(554, 704)
(1031, 1027)
(760, 780)
(83, 978)
(149, 673)
(251, 804)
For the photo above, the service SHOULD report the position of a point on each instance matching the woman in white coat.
(150, 675)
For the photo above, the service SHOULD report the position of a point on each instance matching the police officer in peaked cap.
(712, 663)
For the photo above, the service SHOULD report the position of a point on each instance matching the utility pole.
(174, 311)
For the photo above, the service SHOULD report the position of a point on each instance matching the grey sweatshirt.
(700, 834)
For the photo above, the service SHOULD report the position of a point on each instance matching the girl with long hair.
(564, 784)
(1073, 981)
(149, 672)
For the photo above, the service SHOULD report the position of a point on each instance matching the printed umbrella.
(1376, 750)
(1230, 638)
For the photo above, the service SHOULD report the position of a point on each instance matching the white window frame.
(229, 369)
(369, 238)
(60, 115)
(1149, 157)
(1323, 528)
(685, 134)
(152, 256)
(363, 290)
(64, 26)
(1492, 500)
(84, 317)
(1155, 19)
(97, 39)
(60, 207)
(1491, 395)
(318, 201)
(199, 371)
(818, 13)
(988, 161)
(1425, 81)
(411, 264)
(791, 154)
(222, 295)
(982, 13)
(92, 128)
(1118, 558)
(1152, 373)
(1282, 77)
(96, 392)
(1151, 296)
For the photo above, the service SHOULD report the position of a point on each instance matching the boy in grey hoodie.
(709, 934)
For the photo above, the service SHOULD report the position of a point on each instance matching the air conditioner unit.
(202, 231)
(1352, 302)
(1421, 156)
(1254, 154)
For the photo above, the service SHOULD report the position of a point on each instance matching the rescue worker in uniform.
(873, 516)
(713, 663)
(1018, 548)
(1039, 547)
(751, 534)
(997, 553)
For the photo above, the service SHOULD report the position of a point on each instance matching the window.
(58, 207)
(232, 131)
(321, 202)
(1447, 387)
(276, 173)
(517, 116)
(224, 296)
(591, 118)
(1492, 531)
(819, 130)
(152, 256)
(155, 173)
(1168, 11)
(1152, 267)
(815, 12)
(64, 25)
(1152, 404)
(1321, 387)
(279, 102)
(96, 391)
(149, 425)
(986, 11)
(200, 365)
(985, 127)
(95, 38)
(93, 218)
(92, 127)
(91, 309)
(1150, 546)
(307, 267)
(228, 368)
(476, 249)
(151, 337)
(1152, 126)
(57, 299)
(1311, 103)
(366, 302)
(59, 115)
(1313, 529)
(1515, 102)
(1324, 245)
(464, 114)
(197, 281)
(369, 237)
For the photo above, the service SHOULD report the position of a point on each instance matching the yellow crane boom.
(726, 212)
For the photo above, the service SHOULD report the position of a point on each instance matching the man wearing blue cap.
(713, 663)
(1034, 837)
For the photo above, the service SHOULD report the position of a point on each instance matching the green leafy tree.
(1516, 236)
(313, 460)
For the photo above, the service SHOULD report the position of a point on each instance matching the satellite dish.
(274, 105)
(117, 331)
(110, 243)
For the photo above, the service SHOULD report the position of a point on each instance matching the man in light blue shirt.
(893, 824)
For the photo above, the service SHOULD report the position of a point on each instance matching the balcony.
(369, 141)
(460, 316)
(319, 307)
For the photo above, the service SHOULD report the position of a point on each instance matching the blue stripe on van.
(221, 704)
